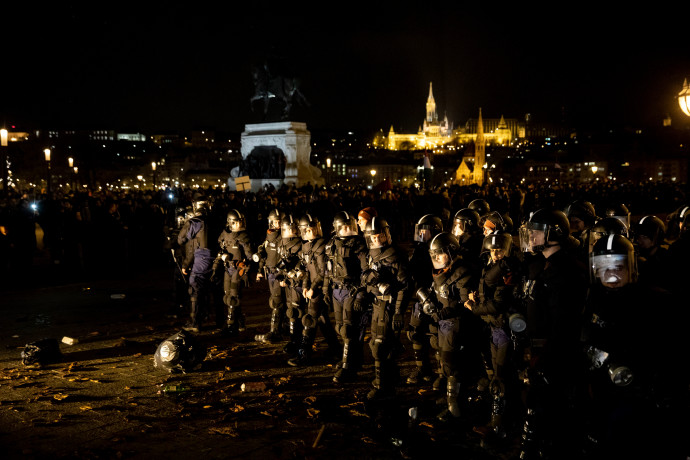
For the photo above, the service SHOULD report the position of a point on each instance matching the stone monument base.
(294, 141)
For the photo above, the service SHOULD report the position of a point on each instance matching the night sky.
(159, 67)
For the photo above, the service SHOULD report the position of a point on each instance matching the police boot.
(305, 349)
(239, 318)
(383, 388)
(531, 446)
(295, 337)
(231, 322)
(422, 370)
(274, 335)
(346, 371)
(440, 381)
(452, 392)
(193, 323)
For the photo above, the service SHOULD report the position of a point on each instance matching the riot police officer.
(421, 327)
(493, 303)
(558, 295)
(456, 340)
(198, 262)
(387, 284)
(634, 386)
(267, 257)
(466, 230)
(648, 237)
(290, 273)
(312, 254)
(236, 250)
(347, 259)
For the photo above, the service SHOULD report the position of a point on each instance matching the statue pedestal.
(293, 140)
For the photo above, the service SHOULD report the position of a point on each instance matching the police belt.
(344, 285)
(384, 298)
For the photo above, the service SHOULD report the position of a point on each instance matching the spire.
(431, 115)
(479, 150)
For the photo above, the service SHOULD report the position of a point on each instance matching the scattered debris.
(69, 340)
(44, 351)
(318, 436)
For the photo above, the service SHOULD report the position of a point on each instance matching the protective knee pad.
(433, 342)
(275, 302)
(308, 321)
(293, 313)
(347, 331)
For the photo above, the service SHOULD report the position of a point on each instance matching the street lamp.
(46, 152)
(3, 143)
(328, 170)
(153, 168)
(373, 173)
(684, 98)
(70, 162)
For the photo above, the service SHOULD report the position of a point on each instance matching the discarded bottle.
(117, 296)
(251, 387)
(174, 389)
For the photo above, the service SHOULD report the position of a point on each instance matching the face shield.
(498, 245)
(309, 233)
(532, 238)
(347, 229)
(289, 230)
(236, 225)
(459, 227)
(440, 258)
(378, 240)
(422, 233)
(273, 223)
(613, 270)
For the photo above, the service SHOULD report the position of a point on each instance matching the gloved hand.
(214, 277)
(398, 322)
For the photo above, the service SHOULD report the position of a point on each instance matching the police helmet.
(498, 241)
(614, 263)
(200, 206)
(551, 222)
(236, 220)
(345, 224)
(607, 226)
(620, 212)
(427, 227)
(179, 353)
(443, 248)
(274, 218)
(289, 227)
(652, 227)
(377, 233)
(466, 220)
(480, 205)
(583, 210)
(310, 227)
(497, 222)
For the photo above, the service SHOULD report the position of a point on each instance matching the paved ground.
(104, 398)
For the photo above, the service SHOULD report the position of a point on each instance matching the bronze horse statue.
(280, 88)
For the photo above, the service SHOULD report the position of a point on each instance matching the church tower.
(431, 115)
(479, 149)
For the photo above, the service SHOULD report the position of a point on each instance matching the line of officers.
(562, 333)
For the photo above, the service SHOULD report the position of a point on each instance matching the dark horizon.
(173, 69)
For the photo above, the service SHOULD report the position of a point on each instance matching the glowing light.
(684, 98)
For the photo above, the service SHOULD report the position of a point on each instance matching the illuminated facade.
(435, 133)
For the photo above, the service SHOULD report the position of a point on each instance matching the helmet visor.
(613, 270)
(531, 239)
(377, 240)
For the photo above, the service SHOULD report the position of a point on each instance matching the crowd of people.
(555, 308)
